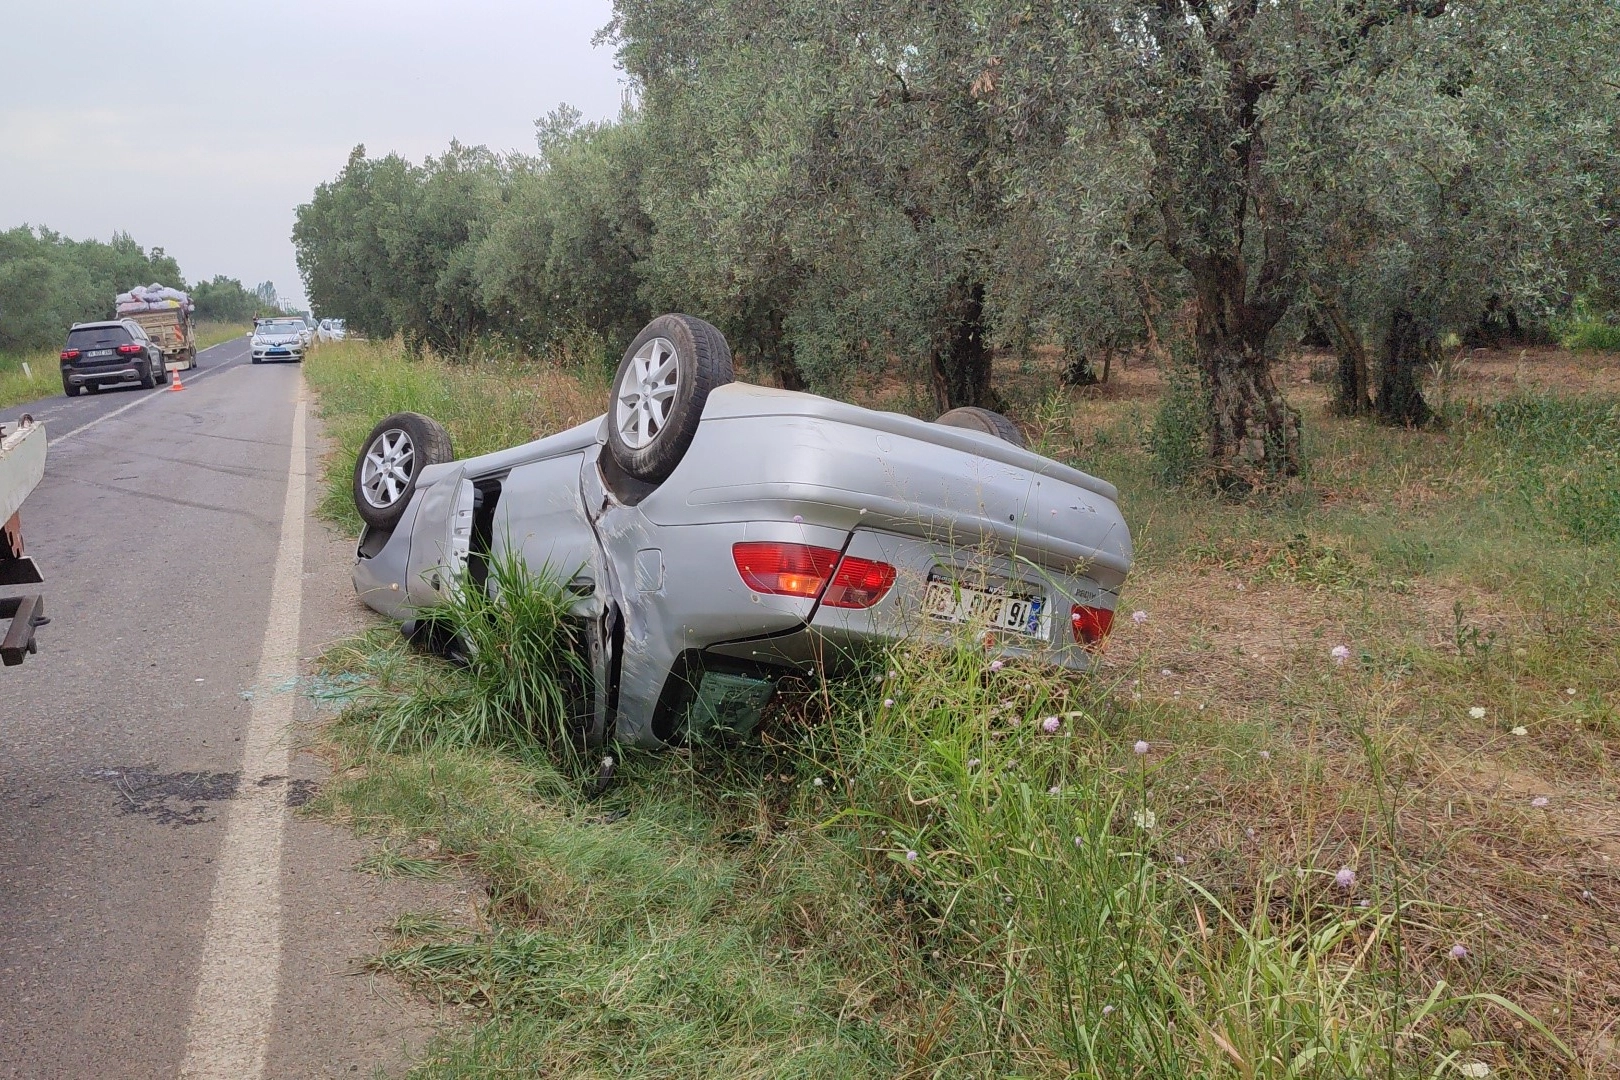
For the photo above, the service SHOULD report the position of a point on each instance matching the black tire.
(149, 376)
(255, 359)
(974, 418)
(379, 499)
(70, 389)
(163, 370)
(191, 359)
(701, 362)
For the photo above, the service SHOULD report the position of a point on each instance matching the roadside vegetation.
(932, 197)
(1341, 802)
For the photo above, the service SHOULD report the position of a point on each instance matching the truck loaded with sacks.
(165, 315)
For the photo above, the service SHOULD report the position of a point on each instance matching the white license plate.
(99, 352)
(1019, 614)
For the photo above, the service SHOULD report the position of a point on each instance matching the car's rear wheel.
(162, 372)
(391, 459)
(69, 388)
(149, 375)
(974, 418)
(659, 392)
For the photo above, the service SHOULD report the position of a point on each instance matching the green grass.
(909, 875)
(486, 404)
(1593, 335)
(511, 687)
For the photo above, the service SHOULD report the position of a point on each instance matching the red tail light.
(859, 583)
(805, 570)
(1091, 625)
(70, 354)
(129, 350)
(784, 569)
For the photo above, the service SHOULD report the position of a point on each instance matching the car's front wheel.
(391, 459)
(659, 392)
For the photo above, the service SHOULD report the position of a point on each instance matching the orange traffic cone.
(174, 381)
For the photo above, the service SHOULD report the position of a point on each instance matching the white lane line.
(142, 400)
(229, 1031)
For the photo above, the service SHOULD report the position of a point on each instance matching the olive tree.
(1469, 180)
(836, 184)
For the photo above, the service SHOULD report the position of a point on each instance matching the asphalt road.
(139, 786)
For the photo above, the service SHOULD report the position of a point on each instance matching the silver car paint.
(771, 465)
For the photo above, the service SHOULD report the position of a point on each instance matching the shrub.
(1180, 429)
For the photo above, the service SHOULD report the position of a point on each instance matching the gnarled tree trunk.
(1352, 384)
(960, 362)
(1409, 344)
(1254, 434)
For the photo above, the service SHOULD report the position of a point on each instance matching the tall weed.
(518, 682)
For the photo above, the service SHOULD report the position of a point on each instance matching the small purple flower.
(1055, 789)
(1345, 878)
(1341, 653)
(1051, 724)
(888, 703)
(798, 519)
(1141, 747)
(996, 665)
(973, 763)
(1138, 617)
(1249, 832)
(911, 856)
(1181, 860)
(1265, 755)
(1108, 1010)
(1459, 952)
(1166, 672)
(1079, 841)
(1539, 802)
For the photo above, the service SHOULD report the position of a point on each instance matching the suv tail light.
(1091, 625)
(859, 583)
(70, 354)
(784, 569)
(129, 350)
(806, 570)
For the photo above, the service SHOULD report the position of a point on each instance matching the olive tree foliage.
(392, 246)
(1473, 183)
(562, 253)
(839, 187)
(49, 282)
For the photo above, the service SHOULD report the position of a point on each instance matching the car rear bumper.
(119, 373)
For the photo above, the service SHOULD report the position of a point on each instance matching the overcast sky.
(199, 125)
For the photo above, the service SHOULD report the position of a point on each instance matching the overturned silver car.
(720, 536)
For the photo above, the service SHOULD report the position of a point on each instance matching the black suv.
(110, 352)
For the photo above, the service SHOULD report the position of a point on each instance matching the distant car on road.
(100, 353)
(279, 339)
(330, 330)
(718, 536)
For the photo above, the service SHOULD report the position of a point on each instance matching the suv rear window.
(97, 337)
